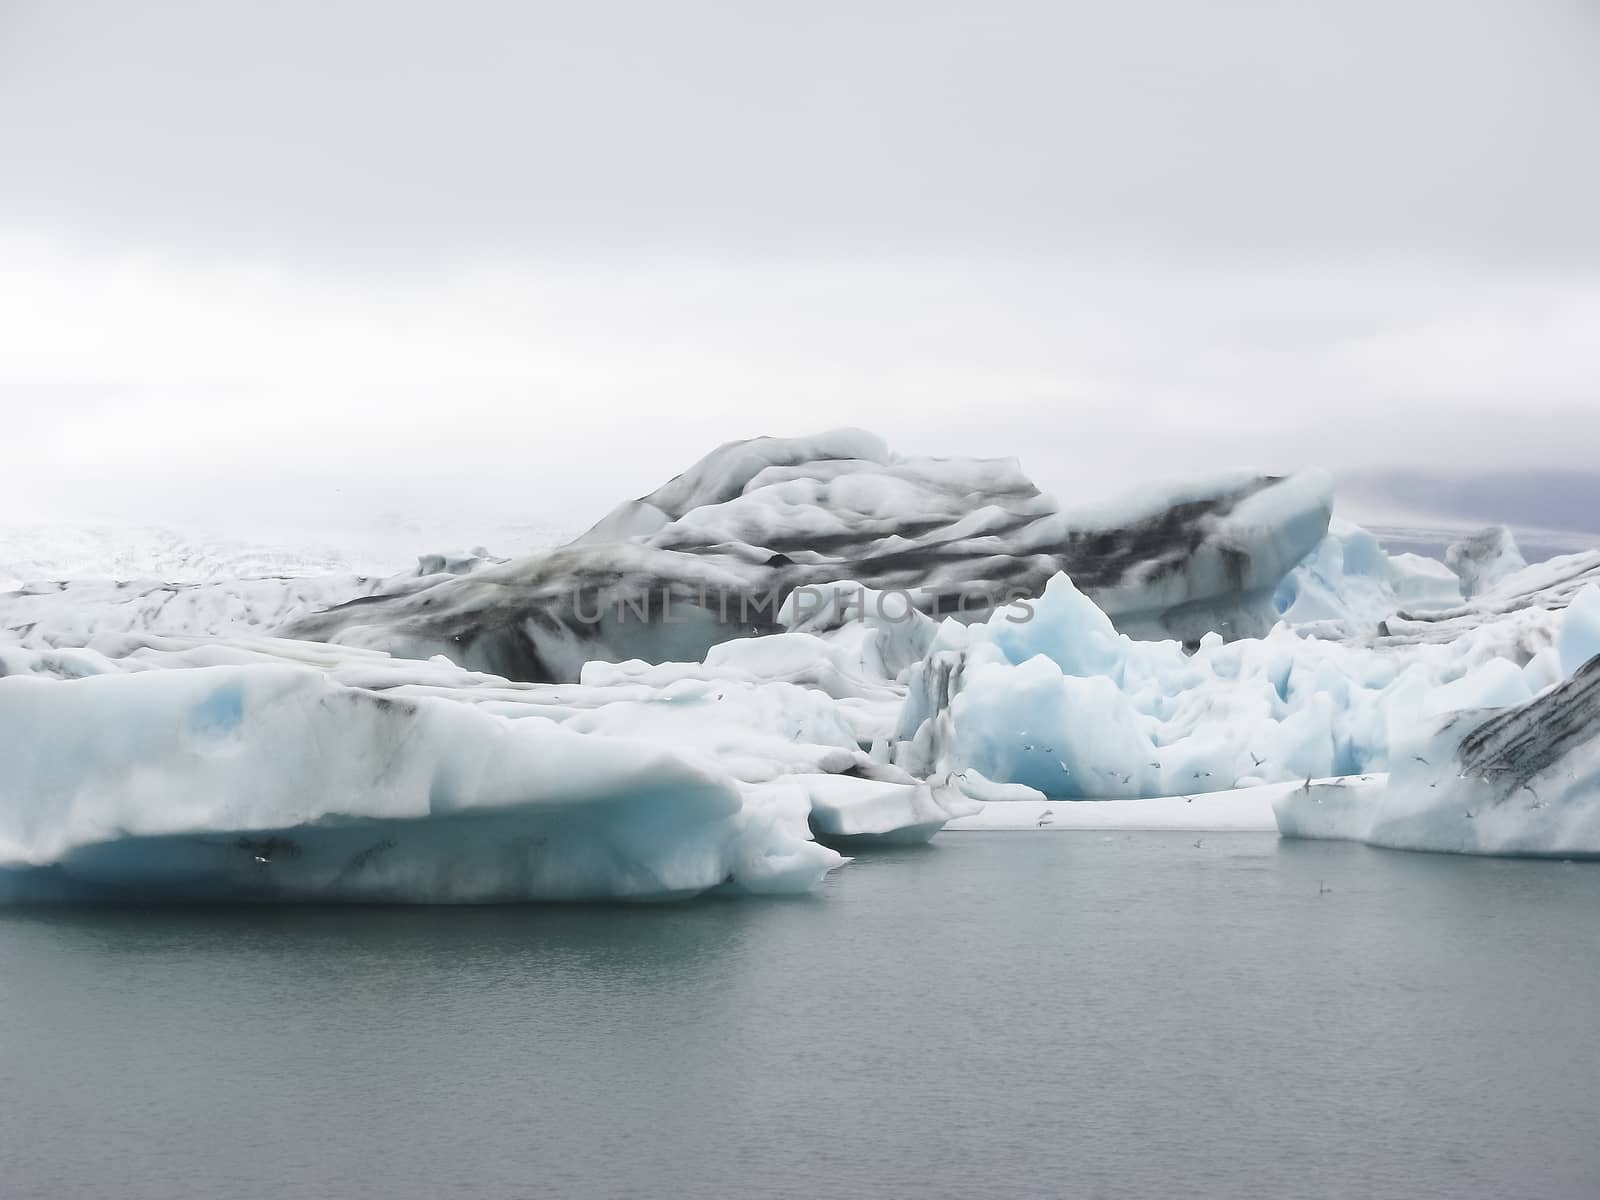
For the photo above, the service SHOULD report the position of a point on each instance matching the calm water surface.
(995, 1015)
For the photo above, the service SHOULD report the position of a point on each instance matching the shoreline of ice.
(1240, 810)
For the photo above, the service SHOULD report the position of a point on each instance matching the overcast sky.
(310, 262)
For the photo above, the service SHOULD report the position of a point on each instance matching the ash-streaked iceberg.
(714, 554)
(1523, 780)
(1484, 559)
(1534, 596)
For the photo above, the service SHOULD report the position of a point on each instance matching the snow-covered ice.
(53, 552)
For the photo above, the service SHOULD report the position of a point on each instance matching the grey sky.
(526, 254)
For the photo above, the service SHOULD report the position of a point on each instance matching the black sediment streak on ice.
(724, 543)
(1512, 749)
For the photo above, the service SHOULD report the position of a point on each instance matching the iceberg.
(267, 782)
(1348, 584)
(1523, 780)
(1485, 559)
(786, 720)
(1487, 742)
(1070, 707)
(714, 554)
(798, 646)
(1579, 639)
(1536, 595)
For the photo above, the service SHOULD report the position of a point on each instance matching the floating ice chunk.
(1579, 639)
(272, 783)
(1520, 781)
(847, 810)
(1525, 606)
(1498, 683)
(1485, 559)
(978, 787)
(1064, 626)
(1067, 705)
(1543, 670)
(1420, 582)
(1349, 580)
(759, 711)
(1090, 740)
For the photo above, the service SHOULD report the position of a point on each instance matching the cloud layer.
(170, 387)
(264, 264)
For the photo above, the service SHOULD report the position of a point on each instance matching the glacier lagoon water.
(995, 1015)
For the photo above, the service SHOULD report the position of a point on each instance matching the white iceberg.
(787, 720)
(1065, 704)
(273, 782)
(1349, 583)
(1579, 640)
